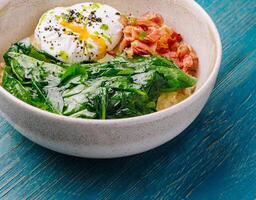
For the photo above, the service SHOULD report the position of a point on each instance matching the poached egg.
(82, 32)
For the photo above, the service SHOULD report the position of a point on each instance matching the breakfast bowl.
(111, 138)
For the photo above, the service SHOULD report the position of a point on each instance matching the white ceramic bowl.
(119, 137)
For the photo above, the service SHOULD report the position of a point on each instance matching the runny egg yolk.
(84, 35)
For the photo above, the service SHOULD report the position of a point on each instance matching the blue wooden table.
(215, 158)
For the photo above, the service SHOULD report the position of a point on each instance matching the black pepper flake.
(93, 18)
(117, 13)
(98, 19)
(72, 12)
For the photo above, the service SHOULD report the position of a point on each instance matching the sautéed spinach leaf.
(118, 88)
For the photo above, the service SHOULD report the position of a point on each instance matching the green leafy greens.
(118, 88)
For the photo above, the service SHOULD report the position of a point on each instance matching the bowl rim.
(148, 117)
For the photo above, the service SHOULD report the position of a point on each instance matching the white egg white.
(82, 32)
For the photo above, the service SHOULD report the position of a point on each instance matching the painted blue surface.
(215, 158)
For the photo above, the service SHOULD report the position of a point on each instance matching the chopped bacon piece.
(165, 30)
(139, 48)
(132, 33)
(124, 43)
(162, 45)
(147, 35)
(152, 35)
(150, 19)
(182, 50)
(188, 62)
(169, 55)
(175, 37)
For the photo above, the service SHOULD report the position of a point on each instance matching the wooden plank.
(215, 158)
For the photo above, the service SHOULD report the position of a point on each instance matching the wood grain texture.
(215, 158)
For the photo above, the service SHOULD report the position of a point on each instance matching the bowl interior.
(18, 18)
